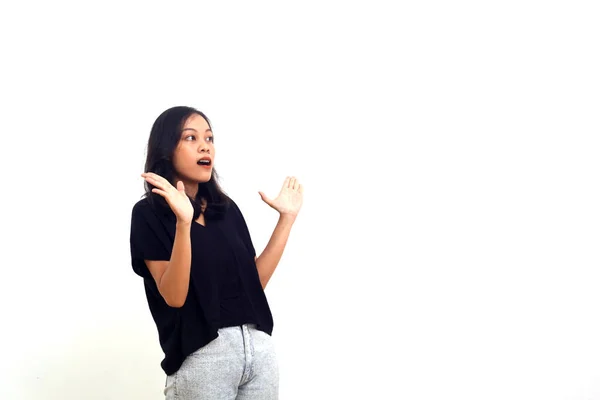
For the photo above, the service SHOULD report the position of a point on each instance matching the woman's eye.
(190, 137)
(210, 139)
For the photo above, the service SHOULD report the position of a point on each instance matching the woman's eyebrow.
(192, 129)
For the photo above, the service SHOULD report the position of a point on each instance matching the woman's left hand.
(289, 200)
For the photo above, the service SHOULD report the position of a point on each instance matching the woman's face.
(194, 156)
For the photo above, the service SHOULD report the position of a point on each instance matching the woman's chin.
(204, 178)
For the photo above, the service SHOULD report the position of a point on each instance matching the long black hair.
(164, 138)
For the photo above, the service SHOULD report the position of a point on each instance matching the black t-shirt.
(225, 288)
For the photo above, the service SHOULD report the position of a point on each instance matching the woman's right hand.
(176, 198)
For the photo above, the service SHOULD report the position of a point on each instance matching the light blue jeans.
(240, 364)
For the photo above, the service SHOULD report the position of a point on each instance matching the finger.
(160, 192)
(265, 198)
(158, 181)
(292, 182)
(300, 189)
(286, 183)
(296, 184)
(152, 174)
(180, 186)
(156, 178)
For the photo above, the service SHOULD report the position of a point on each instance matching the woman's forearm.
(174, 283)
(269, 258)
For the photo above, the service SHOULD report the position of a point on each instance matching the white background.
(448, 244)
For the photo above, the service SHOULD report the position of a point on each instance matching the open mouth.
(205, 162)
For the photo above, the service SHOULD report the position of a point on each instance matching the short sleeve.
(242, 228)
(149, 239)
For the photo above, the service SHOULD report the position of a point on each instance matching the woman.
(203, 281)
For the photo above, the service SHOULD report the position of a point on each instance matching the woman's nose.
(203, 148)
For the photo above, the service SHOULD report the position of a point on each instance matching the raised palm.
(289, 200)
(175, 196)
